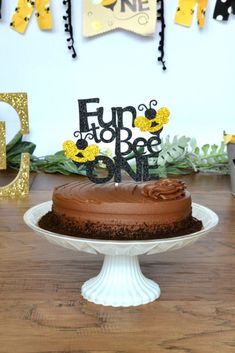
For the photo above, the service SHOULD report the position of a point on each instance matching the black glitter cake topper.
(141, 148)
(68, 27)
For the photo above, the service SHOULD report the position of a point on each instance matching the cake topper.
(94, 127)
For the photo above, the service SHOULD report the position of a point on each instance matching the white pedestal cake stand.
(120, 281)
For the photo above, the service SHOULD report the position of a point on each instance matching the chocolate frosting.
(125, 203)
(165, 189)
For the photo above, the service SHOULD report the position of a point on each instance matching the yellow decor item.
(154, 124)
(229, 138)
(102, 16)
(3, 158)
(24, 10)
(20, 185)
(78, 155)
(108, 2)
(185, 11)
(19, 102)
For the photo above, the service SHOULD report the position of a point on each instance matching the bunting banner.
(68, 27)
(138, 16)
(24, 11)
(101, 16)
(223, 8)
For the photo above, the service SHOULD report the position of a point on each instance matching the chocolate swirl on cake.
(166, 189)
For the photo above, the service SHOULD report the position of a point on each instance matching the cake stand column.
(120, 283)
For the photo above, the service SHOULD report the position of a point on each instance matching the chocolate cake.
(125, 211)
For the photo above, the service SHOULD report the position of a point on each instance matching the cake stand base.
(120, 283)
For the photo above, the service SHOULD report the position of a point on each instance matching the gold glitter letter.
(20, 185)
(3, 159)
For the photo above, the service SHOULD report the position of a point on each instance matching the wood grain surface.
(42, 311)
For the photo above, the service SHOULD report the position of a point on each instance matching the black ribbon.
(69, 28)
(0, 8)
(161, 18)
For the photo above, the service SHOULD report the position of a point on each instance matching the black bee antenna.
(69, 28)
(89, 135)
(152, 102)
(142, 106)
(77, 134)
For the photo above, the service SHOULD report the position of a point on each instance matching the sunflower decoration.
(153, 121)
(80, 152)
(109, 4)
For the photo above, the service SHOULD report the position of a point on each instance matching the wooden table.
(42, 311)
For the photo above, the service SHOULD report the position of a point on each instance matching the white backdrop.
(121, 69)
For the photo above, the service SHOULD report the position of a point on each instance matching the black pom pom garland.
(69, 28)
(161, 18)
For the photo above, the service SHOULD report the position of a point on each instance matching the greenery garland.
(178, 156)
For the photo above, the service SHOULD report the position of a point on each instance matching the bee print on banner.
(109, 4)
(185, 11)
(223, 8)
(24, 11)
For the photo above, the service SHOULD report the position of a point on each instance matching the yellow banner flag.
(138, 16)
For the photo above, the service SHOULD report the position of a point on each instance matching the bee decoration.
(109, 4)
(80, 152)
(27, 18)
(30, 3)
(47, 8)
(153, 120)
